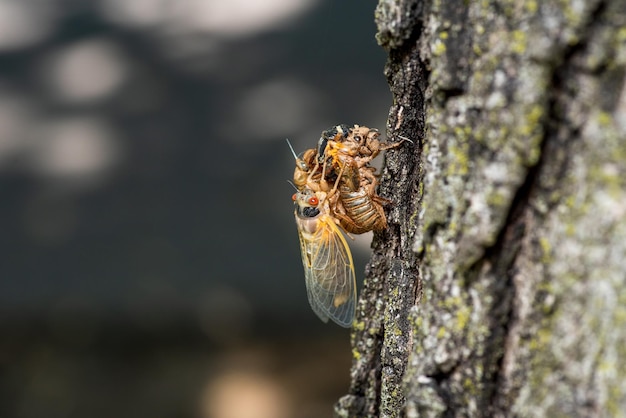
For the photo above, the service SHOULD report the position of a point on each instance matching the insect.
(358, 144)
(358, 208)
(303, 174)
(336, 191)
(344, 154)
(328, 266)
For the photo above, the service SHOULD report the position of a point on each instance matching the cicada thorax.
(306, 207)
(337, 133)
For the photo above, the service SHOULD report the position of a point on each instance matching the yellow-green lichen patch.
(358, 325)
(459, 164)
(415, 215)
(532, 119)
(518, 41)
(451, 302)
(604, 119)
(541, 340)
(614, 400)
(453, 227)
(531, 6)
(573, 15)
(570, 230)
(609, 178)
(468, 384)
(441, 333)
(555, 196)
(462, 317)
(497, 199)
(546, 254)
(438, 48)
(570, 202)
(418, 321)
(530, 135)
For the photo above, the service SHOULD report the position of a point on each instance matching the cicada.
(336, 193)
(328, 266)
(340, 167)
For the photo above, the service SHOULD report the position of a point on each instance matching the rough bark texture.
(499, 288)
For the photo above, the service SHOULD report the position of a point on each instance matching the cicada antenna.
(293, 185)
(291, 148)
(299, 163)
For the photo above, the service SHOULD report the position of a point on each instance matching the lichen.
(519, 233)
(518, 41)
(439, 48)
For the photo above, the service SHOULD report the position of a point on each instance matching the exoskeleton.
(336, 191)
(358, 207)
(340, 168)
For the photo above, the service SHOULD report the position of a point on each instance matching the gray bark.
(499, 287)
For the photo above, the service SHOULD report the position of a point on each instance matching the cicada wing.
(329, 272)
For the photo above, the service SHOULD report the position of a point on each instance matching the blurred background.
(150, 263)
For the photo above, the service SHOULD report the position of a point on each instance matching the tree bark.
(499, 287)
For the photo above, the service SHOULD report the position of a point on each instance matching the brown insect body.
(304, 167)
(360, 145)
(339, 167)
(362, 207)
(336, 191)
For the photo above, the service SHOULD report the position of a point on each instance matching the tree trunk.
(499, 287)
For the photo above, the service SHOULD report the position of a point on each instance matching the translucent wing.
(328, 270)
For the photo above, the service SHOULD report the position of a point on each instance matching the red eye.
(313, 201)
(294, 197)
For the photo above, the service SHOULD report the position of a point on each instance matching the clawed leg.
(336, 185)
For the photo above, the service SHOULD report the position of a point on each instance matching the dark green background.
(130, 294)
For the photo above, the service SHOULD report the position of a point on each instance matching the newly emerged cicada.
(328, 266)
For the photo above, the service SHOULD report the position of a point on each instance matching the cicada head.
(306, 203)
